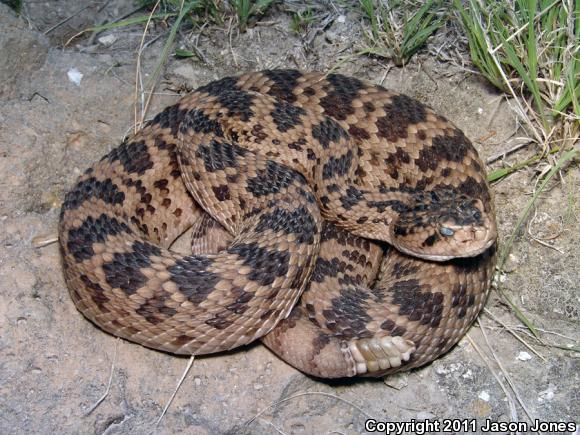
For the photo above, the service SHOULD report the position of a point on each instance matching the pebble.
(107, 40)
(524, 356)
(75, 76)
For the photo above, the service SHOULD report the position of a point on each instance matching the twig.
(184, 9)
(383, 78)
(60, 23)
(280, 431)
(545, 331)
(138, 79)
(96, 31)
(546, 244)
(106, 393)
(511, 331)
(104, 5)
(42, 241)
(510, 151)
(230, 33)
(512, 406)
(189, 364)
(567, 347)
(116, 20)
(505, 374)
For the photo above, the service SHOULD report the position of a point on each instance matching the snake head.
(443, 225)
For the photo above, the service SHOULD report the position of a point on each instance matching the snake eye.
(447, 232)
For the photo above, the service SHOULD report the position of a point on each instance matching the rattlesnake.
(292, 183)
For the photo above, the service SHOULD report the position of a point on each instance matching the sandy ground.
(55, 365)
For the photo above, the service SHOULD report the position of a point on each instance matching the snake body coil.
(292, 183)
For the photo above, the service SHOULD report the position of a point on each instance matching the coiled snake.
(292, 183)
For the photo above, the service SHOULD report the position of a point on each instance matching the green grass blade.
(130, 21)
(571, 349)
(531, 85)
(418, 29)
(16, 5)
(260, 6)
(519, 314)
(368, 8)
(500, 173)
(187, 7)
(572, 89)
(477, 44)
(179, 52)
(531, 54)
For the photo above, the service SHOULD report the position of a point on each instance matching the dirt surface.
(55, 365)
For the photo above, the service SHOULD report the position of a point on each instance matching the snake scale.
(349, 227)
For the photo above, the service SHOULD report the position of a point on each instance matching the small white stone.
(547, 394)
(524, 356)
(467, 375)
(341, 18)
(107, 40)
(479, 111)
(484, 395)
(75, 76)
